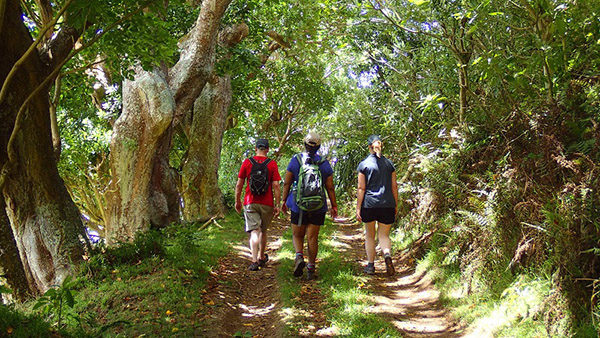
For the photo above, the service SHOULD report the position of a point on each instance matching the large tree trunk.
(10, 262)
(45, 222)
(202, 197)
(141, 135)
(143, 190)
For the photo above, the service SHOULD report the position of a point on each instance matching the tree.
(45, 223)
(143, 192)
(44, 220)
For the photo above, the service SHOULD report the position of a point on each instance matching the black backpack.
(259, 177)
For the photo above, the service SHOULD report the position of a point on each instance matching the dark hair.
(312, 150)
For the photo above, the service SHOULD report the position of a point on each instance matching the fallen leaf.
(169, 312)
(174, 329)
(9, 330)
(210, 302)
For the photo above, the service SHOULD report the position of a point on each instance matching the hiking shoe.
(254, 266)
(299, 266)
(310, 274)
(369, 269)
(389, 266)
(263, 262)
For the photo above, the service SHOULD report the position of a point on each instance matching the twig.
(207, 223)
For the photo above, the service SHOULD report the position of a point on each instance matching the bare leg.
(370, 241)
(262, 244)
(313, 242)
(298, 233)
(383, 233)
(254, 244)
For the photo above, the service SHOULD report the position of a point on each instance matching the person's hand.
(358, 218)
(284, 208)
(334, 212)
(238, 206)
(276, 211)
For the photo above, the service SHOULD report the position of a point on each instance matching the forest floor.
(247, 303)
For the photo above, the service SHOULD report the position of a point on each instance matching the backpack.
(259, 177)
(310, 193)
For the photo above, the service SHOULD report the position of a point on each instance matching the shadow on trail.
(407, 300)
(242, 302)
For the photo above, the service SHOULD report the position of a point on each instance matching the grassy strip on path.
(336, 303)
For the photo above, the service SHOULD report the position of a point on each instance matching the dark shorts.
(315, 218)
(381, 215)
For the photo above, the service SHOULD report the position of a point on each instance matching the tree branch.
(20, 114)
(30, 50)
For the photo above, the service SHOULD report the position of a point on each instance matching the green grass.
(150, 288)
(345, 291)
(514, 306)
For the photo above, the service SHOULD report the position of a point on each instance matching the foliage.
(56, 301)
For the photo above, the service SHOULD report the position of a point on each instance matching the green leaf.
(69, 298)
(419, 2)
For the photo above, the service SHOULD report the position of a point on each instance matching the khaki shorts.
(257, 216)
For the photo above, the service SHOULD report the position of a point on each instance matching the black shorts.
(381, 215)
(315, 218)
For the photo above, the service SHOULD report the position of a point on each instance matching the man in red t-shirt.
(258, 209)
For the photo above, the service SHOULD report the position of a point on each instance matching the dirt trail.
(243, 301)
(408, 300)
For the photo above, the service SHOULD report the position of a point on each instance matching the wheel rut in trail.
(243, 301)
(407, 300)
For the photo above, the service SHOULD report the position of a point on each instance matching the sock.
(311, 266)
(299, 255)
(387, 255)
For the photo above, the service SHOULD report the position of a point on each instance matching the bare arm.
(331, 193)
(287, 183)
(395, 190)
(238, 194)
(360, 195)
(277, 194)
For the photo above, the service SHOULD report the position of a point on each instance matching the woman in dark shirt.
(376, 203)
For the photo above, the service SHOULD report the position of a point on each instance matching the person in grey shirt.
(376, 203)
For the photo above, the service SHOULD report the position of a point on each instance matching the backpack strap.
(253, 161)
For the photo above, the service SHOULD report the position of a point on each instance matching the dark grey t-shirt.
(378, 175)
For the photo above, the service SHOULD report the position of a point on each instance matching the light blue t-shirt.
(294, 168)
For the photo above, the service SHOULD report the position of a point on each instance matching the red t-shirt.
(267, 198)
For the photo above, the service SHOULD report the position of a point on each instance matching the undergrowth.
(151, 287)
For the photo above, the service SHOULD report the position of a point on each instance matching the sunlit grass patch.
(345, 292)
(158, 293)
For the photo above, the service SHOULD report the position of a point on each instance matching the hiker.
(311, 176)
(377, 199)
(262, 183)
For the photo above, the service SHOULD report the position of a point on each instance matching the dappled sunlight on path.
(244, 302)
(407, 300)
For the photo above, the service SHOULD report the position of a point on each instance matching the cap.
(312, 139)
(373, 138)
(262, 143)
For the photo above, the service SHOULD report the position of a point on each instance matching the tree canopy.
(489, 110)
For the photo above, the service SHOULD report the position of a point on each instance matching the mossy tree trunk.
(202, 197)
(143, 191)
(45, 223)
(10, 262)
